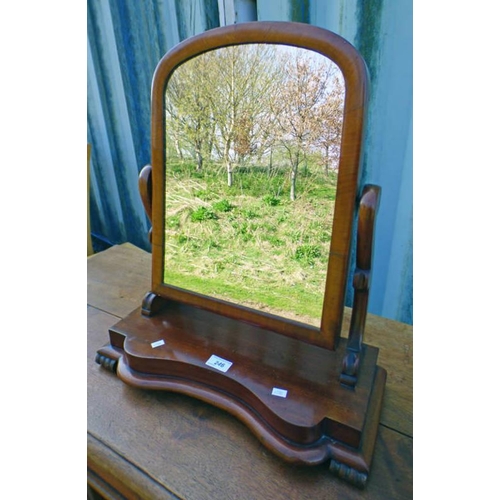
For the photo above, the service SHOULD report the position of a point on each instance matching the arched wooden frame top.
(355, 76)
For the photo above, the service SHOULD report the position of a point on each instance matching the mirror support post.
(368, 206)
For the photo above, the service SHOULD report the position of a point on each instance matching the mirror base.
(287, 392)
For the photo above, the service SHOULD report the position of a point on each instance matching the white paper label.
(218, 363)
(279, 392)
(158, 343)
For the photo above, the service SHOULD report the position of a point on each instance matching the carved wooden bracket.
(146, 192)
(364, 252)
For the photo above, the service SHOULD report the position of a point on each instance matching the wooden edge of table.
(105, 466)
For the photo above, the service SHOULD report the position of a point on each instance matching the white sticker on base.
(279, 392)
(158, 343)
(218, 363)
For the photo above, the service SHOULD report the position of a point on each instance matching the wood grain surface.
(148, 444)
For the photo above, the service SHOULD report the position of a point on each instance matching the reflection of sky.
(314, 58)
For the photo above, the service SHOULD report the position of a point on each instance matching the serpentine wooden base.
(316, 420)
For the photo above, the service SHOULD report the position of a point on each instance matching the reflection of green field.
(249, 243)
(270, 298)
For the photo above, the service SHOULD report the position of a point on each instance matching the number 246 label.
(220, 364)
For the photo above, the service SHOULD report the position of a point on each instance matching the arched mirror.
(256, 148)
(252, 150)
(252, 190)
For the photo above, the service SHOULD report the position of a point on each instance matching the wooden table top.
(155, 445)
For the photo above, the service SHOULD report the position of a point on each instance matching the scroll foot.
(107, 363)
(349, 474)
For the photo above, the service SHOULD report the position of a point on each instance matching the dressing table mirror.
(253, 195)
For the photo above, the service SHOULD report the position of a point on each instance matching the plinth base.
(286, 391)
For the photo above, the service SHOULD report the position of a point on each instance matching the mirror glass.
(252, 148)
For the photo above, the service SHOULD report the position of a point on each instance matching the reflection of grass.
(249, 243)
(222, 206)
(269, 298)
(308, 253)
(202, 213)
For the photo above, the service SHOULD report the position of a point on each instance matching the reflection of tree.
(188, 111)
(241, 103)
(240, 88)
(330, 114)
(305, 110)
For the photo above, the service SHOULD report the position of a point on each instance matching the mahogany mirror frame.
(355, 76)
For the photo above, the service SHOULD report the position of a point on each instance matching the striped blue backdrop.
(125, 41)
